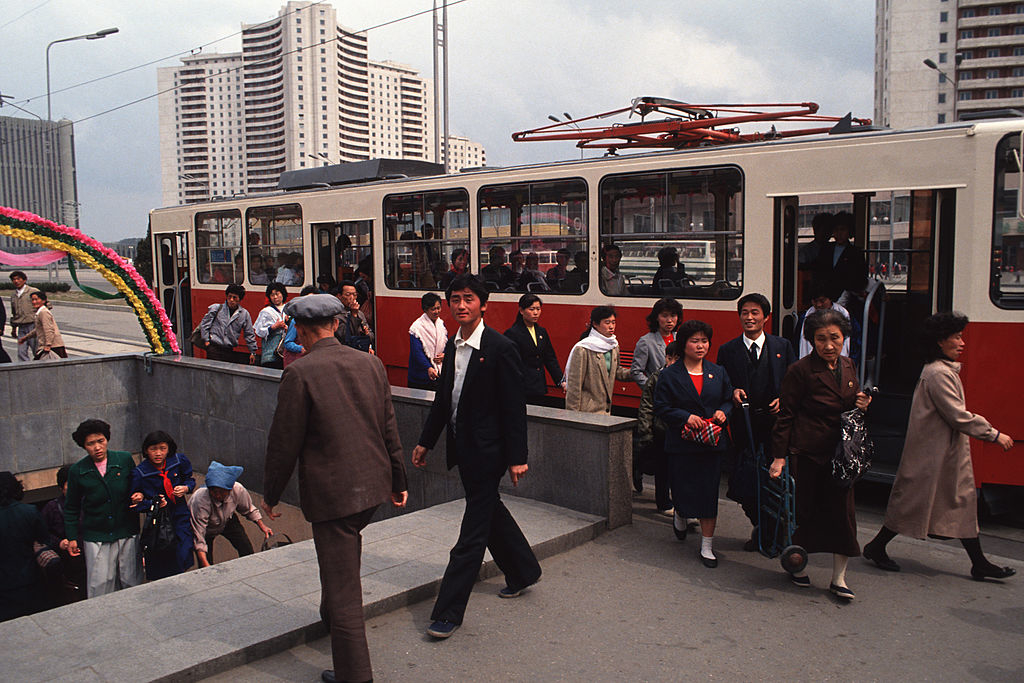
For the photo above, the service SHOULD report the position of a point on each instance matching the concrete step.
(210, 620)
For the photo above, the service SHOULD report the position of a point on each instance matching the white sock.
(678, 522)
(705, 547)
(839, 563)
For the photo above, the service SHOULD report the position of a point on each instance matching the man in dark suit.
(347, 467)
(841, 263)
(482, 405)
(756, 363)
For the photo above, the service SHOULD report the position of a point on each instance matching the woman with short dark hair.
(649, 354)
(46, 333)
(934, 493)
(536, 351)
(593, 365)
(271, 326)
(694, 398)
(427, 337)
(163, 478)
(815, 392)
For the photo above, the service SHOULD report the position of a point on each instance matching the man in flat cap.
(214, 507)
(347, 468)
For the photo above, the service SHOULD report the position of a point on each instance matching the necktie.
(753, 353)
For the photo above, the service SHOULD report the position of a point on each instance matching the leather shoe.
(992, 572)
(680, 533)
(801, 581)
(751, 543)
(841, 591)
(327, 676)
(442, 629)
(709, 562)
(880, 558)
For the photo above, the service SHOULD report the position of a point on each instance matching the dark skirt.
(694, 479)
(825, 516)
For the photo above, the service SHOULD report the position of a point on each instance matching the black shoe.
(510, 592)
(638, 482)
(751, 544)
(680, 533)
(880, 558)
(841, 591)
(801, 581)
(992, 572)
(327, 676)
(442, 629)
(709, 562)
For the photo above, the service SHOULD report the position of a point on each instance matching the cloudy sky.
(511, 65)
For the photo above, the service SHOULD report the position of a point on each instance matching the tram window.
(274, 243)
(533, 237)
(1006, 285)
(693, 215)
(219, 247)
(422, 232)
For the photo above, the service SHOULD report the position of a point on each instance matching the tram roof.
(383, 171)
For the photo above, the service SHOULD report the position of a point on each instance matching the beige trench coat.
(934, 491)
(589, 384)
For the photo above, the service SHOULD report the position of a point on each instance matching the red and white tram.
(941, 208)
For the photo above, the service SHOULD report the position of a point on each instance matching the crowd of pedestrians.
(32, 323)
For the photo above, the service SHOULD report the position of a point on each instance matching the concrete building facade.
(978, 43)
(302, 92)
(37, 172)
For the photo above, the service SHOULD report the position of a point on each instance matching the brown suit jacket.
(334, 417)
(811, 403)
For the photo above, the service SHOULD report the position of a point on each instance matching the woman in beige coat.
(593, 366)
(934, 494)
(46, 333)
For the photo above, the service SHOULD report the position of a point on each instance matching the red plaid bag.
(707, 435)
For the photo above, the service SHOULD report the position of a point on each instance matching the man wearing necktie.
(756, 362)
(482, 405)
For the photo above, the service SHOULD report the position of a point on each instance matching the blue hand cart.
(776, 508)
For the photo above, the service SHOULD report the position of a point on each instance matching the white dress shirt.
(748, 342)
(463, 351)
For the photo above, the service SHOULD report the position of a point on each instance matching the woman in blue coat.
(693, 392)
(164, 477)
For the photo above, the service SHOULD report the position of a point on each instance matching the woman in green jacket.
(96, 510)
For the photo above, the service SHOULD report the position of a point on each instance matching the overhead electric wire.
(238, 68)
(25, 13)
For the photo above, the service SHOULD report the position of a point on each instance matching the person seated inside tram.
(496, 271)
(460, 265)
(257, 275)
(577, 279)
(670, 272)
(532, 274)
(556, 276)
(613, 282)
(517, 262)
(269, 268)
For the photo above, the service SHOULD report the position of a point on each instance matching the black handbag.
(855, 449)
(158, 531)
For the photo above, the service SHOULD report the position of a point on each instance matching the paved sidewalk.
(636, 605)
(212, 619)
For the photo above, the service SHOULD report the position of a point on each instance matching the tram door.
(786, 303)
(344, 251)
(171, 265)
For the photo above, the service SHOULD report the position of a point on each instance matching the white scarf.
(595, 341)
(432, 335)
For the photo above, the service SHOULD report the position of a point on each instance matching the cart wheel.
(794, 559)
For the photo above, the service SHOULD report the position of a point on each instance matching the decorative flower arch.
(117, 271)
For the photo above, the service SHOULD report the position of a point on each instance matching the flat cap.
(314, 307)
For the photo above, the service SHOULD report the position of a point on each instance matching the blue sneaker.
(442, 629)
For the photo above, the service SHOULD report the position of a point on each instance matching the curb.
(96, 307)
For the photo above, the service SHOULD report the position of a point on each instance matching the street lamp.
(935, 67)
(102, 33)
(321, 156)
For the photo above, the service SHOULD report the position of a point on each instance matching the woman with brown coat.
(934, 494)
(593, 366)
(46, 334)
(816, 390)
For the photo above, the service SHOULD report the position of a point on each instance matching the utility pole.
(440, 44)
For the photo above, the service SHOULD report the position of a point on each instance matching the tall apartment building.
(464, 153)
(37, 172)
(978, 43)
(302, 92)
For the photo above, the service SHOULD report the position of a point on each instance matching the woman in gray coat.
(934, 494)
(649, 354)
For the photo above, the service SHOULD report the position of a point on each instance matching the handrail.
(874, 286)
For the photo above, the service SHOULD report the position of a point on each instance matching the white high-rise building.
(301, 93)
(464, 153)
(978, 43)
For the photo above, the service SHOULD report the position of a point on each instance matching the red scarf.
(168, 487)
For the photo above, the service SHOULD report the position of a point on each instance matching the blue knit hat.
(222, 476)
